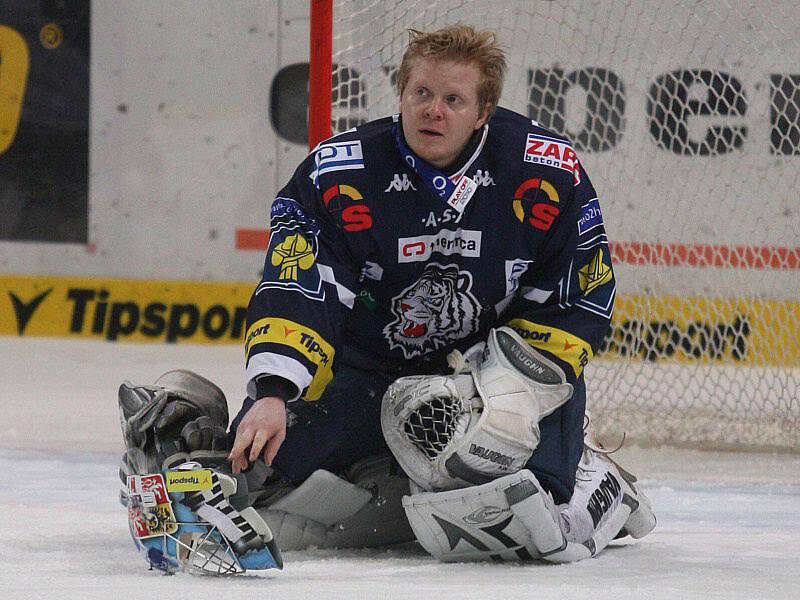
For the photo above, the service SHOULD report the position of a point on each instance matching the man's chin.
(437, 159)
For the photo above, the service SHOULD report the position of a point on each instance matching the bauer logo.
(341, 156)
(189, 481)
(552, 152)
(418, 249)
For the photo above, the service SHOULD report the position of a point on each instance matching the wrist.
(275, 386)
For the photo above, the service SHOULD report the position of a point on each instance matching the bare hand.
(263, 427)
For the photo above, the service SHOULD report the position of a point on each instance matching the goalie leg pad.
(511, 518)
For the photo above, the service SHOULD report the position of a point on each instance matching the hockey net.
(687, 117)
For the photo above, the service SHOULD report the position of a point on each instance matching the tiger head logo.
(434, 311)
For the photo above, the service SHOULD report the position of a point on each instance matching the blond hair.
(462, 44)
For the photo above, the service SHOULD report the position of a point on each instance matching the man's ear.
(483, 118)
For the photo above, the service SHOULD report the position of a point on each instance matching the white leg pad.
(510, 518)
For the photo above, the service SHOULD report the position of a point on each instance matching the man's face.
(440, 109)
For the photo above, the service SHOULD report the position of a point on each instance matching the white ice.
(729, 524)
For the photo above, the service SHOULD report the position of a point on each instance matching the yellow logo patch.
(292, 253)
(189, 481)
(594, 274)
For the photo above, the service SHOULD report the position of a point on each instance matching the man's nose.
(434, 109)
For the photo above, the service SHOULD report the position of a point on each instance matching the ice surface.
(729, 524)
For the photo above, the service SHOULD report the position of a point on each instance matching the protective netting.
(686, 116)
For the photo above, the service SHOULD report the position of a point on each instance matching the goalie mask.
(183, 520)
(186, 511)
(469, 428)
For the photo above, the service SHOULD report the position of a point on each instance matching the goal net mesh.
(686, 116)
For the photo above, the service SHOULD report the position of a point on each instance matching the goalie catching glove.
(186, 510)
(469, 428)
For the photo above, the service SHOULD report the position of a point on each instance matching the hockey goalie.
(434, 286)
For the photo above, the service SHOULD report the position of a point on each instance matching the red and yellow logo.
(527, 203)
(347, 204)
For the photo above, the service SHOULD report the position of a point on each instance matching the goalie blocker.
(479, 428)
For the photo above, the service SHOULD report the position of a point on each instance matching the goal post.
(687, 117)
(319, 72)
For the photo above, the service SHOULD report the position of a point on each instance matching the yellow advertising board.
(124, 309)
(706, 330)
(659, 329)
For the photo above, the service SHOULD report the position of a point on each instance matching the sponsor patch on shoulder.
(552, 152)
(338, 156)
(591, 216)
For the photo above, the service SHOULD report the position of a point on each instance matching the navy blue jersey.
(376, 257)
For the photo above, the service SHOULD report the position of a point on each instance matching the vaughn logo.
(497, 458)
(483, 178)
(400, 183)
(465, 242)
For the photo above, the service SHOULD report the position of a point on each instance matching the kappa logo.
(400, 183)
(24, 310)
(483, 178)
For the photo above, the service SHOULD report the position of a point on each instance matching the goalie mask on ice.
(186, 510)
(469, 428)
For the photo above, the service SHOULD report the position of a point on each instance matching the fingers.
(273, 445)
(263, 429)
(259, 439)
(244, 436)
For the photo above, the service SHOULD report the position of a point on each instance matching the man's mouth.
(431, 132)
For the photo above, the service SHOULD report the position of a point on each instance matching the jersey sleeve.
(565, 301)
(295, 313)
